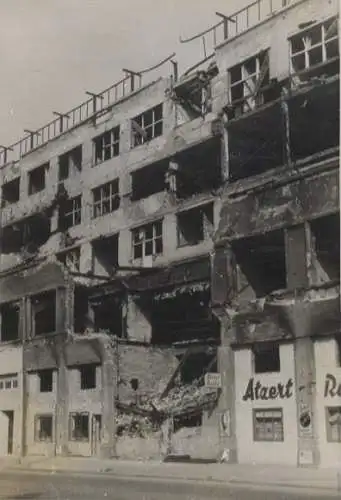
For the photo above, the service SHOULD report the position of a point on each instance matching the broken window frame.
(12, 186)
(250, 83)
(45, 380)
(72, 214)
(88, 377)
(9, 305)
(9, 381)
(271, 349)
(76, 434)
(35, 171)
(39, 306)
(304, 37)
(140, 238)
(71, 259)
(39, 435)
(333, 424)
(70, 163)
(143, 129)
(268, 424)
(106, 199)
(206, 214)
(106, 145)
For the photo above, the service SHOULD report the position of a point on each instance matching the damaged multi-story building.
(163, 231)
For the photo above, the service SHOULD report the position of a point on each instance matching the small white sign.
(213, 380)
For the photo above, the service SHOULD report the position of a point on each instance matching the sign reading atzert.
(257, 391)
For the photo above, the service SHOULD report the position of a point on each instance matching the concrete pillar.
(60, 309)
(109, 353)
(138, 324)
(228, 439)
(85, 264)
(296, 257)
(308, 452)
(61, 415)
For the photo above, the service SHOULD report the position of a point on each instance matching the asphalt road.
(34, 486)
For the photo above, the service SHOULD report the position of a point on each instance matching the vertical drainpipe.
(23, 415)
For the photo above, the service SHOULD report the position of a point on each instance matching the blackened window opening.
(105, 255)
(87, 377)
(36, 179)
(10, 314)
(44, 313)
(195, 225)
(266, 358)
(149, 180)
(326, 243)
(10, 192)
(45, 380)
(70, 163)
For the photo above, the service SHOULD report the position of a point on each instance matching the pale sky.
(51, 51)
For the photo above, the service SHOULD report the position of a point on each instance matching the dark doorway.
(10, 415)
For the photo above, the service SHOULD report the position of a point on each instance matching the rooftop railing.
(88, 109)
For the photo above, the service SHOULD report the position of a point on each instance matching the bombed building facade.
(161, 232)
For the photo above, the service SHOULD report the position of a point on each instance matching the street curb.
(172, 478)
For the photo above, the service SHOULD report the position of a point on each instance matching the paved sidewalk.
(269, 475)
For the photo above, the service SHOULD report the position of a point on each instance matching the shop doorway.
(96, 430)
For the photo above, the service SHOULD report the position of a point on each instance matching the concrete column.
(109, 351)
(61, 415)
(138, 324)
(85, 265)
(228, 440)
(308, 452)
(60, 309)
(296, 257)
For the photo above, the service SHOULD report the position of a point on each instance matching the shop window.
(70, 163)
(45, 380)
(149, 180)
(147, 125)
(106, 145)
(71, 259)
(87, 377)
(79, 426)
(315, 46)
(36, 179)
(71, 215)
(268, 425)
(43, 427)
(105, 199)
(147, 240)
(44, 313)
(9, 381)
(333, 421)
(9, 318)
(10, 192)
(189, 421)
(247, 80)
(195, 225)
(266, 358)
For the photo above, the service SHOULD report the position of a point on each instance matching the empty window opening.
(81, 317)
(268, 425)
(262, 261)
(45, 380)
(196, 365)
(9, 317)
(309, 136)
(187, 421)
(105, 254)
(315, 50)
(106, 198)
(147, 240)
(9, 381)
(71, 213)
(43, 427)
(70, 163)
(10, 192)
(266, 358)
(44, 313)
(87, 377)
(36, 179)
(184, 317)
(106, 145)
(326, 244)
(79, 426)
(149, 180)
(71, 259)
(147, 125)
(249, 83)
(108, 316)
(26, 236)
(195, 225)
(198, 169)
